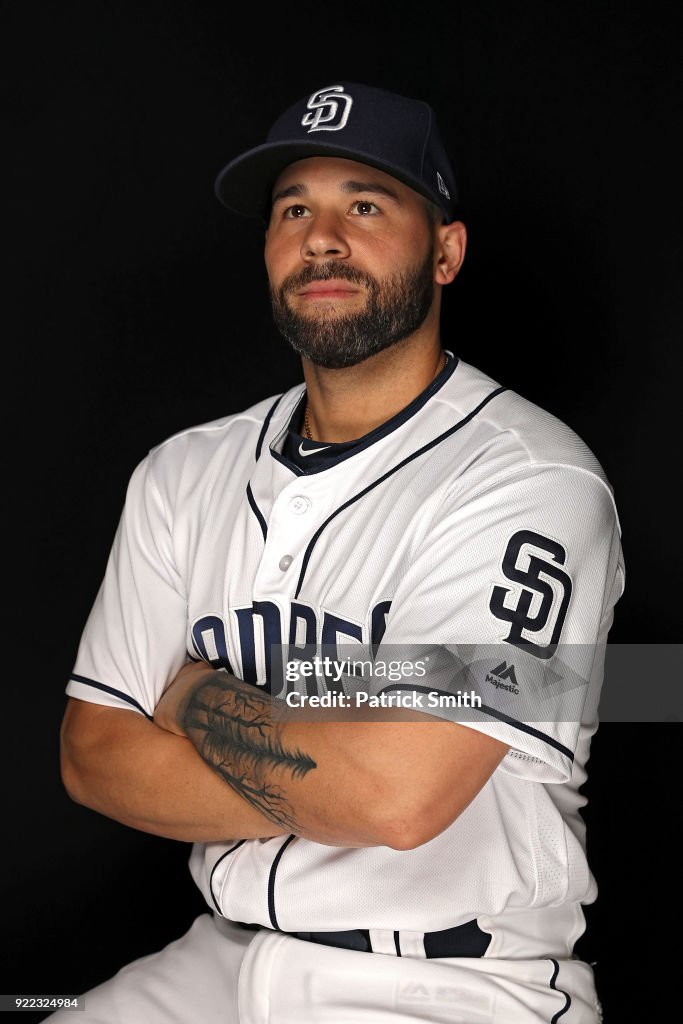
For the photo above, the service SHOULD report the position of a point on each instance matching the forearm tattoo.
(231, 725)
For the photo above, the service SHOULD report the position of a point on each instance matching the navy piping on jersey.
(523, 727)
(297, 469)
(264, 428)
(257, 511)
(560, 1013)
(257, 454)
(213, 871)
(110, 689)
(297, 411)
(493, 713)
(383, 429)
(271, 882)
(425, 448)
(397, 943)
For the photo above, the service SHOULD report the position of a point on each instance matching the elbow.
(410, 830)
(401, 840)
(71, 779)
(420, 813)
(408, 837)
(71, 769)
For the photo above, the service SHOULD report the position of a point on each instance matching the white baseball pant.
(219, 973)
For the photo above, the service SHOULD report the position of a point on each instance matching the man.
(426, 864)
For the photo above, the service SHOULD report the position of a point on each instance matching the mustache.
(326, 272)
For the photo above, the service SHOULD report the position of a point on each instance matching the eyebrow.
(289, 192)
(350, 187)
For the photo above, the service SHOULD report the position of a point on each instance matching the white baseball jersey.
(473, 520)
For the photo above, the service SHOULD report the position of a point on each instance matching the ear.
(451, 243)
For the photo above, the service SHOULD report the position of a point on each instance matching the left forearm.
(302, 776)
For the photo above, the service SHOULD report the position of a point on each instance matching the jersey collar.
(305, 457)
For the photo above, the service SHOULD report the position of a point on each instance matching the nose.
(325, 238)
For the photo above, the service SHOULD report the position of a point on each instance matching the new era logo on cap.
(326, 112)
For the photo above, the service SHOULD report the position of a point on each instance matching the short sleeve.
(134, 640)
(515, 586)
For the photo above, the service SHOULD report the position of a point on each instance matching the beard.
(396, 307)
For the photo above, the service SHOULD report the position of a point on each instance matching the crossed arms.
(215, 764)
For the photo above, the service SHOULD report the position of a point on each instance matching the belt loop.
(412, 944)
(382, 941)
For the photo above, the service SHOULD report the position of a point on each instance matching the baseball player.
(399, 507)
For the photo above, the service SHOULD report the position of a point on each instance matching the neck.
(346, 404)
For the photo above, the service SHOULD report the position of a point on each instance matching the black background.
(137, 306)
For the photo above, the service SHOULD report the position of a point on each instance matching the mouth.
(333, 289)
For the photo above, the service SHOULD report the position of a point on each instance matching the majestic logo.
(503, 672)
(497, 675)
(442, 186)
(327, 114)
(542, 594)
(448, 1001)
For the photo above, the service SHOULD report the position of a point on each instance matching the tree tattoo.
(230, 723)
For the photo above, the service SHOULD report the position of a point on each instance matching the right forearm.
(129, 769)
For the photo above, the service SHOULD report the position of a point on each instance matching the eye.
(295, 212)
(365, 208)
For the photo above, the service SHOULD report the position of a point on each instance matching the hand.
(169, 711)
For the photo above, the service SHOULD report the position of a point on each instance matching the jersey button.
(285, 562)
(298, 505)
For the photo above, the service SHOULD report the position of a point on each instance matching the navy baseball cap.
(356, 122)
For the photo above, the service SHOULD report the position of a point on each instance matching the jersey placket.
(298, 511)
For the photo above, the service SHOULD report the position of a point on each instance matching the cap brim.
(246, 184)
